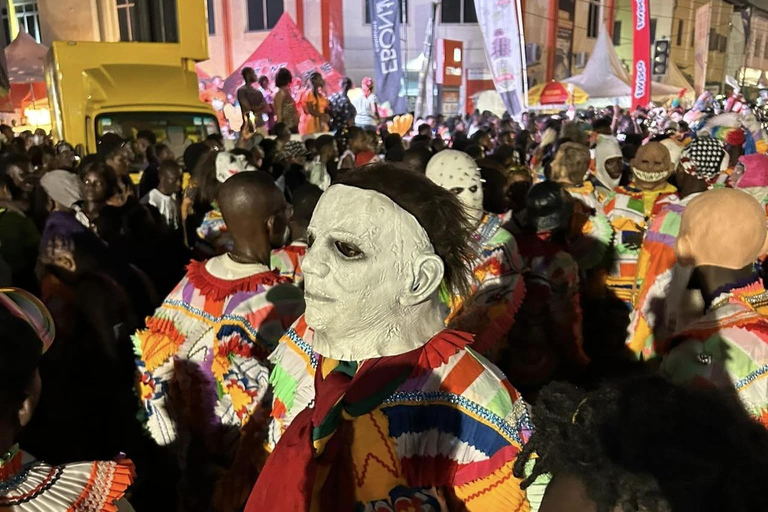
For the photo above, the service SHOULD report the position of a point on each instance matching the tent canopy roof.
(605, 77)
(285, 47)
(25, 58)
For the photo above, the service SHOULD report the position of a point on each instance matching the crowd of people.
(560, 313)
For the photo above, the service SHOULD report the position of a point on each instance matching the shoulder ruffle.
(77, 487)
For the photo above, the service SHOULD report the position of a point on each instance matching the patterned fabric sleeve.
(498, 291)
(292, 379)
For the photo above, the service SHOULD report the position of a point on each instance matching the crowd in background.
(103, 238)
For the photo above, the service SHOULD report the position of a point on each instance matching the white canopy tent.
(605, 79)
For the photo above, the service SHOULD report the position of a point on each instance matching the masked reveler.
(498, 288)
(546, 340)
(701, 163)
(629, 210)
(722, 233)
(377, 406)
(591, 232)
(202, 356)
(609, 164)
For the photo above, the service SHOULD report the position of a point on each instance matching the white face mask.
(458, 172)
(370, 277)
(228, 164)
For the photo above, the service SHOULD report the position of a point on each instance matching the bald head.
(723, 228)
(253, 209)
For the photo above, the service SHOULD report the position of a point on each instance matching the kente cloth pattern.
(591, 232)
(211, 337)
(627, 216)
(444, 438)
(76, 487)
(655, 263)
(287, 261)
(726, 348)
(497, 291)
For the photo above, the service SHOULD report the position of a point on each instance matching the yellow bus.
(96, 88)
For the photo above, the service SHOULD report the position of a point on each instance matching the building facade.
(559, 34)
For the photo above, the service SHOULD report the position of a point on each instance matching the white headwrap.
(607, 148)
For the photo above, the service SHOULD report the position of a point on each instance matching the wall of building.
(243, 41)
(70, 20)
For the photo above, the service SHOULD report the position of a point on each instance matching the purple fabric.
(60, 225)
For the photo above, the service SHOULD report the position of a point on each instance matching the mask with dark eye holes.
(458, 172)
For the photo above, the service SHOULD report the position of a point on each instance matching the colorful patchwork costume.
(726, 348)
(627, 216)
(287, 261)
(655, 266)
(211, 337)
(30, 485)
(591, 232)
(498, 288)
(432, 430)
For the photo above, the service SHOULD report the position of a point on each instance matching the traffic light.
(660, 56)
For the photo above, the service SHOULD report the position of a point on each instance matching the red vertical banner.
(332, 20)
(641, 54)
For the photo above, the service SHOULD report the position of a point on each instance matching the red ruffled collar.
(213, 288)
(441, 348)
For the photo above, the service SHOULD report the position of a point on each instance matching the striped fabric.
(212, 336)
(498, 288)
(461, 423)
(727, 348)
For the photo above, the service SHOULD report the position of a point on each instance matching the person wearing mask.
(366, 106)
(609, 164)
(371, 367)
(314, 104)
(252, 103)
(497, 286)
(343, 113)
(202, 356)
(285, 106)
(27, 332)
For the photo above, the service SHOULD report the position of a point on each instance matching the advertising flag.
(701, 48)
(388, 61)
(641, 54)
(500, 25)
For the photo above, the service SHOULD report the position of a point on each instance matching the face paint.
(370, 277)
(457, 172)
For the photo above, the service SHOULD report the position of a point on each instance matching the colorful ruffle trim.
(77, 487)
(216, 289)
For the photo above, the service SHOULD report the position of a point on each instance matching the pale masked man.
(376, 405)
(497, 288)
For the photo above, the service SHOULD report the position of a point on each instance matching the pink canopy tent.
(25, 58)
(286, 47)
